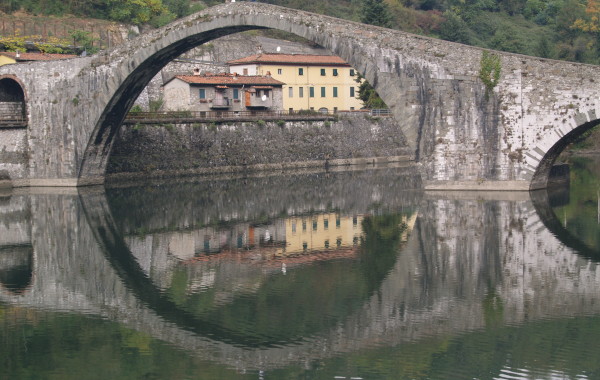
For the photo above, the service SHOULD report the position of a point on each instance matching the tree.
(368, 95)
(375, 12)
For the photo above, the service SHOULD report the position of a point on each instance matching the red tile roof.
(230, 79)
(291, 59)
(35, 56)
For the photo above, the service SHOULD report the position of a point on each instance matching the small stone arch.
(13, 104)
(541, 176)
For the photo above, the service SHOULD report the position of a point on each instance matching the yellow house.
(312, 82)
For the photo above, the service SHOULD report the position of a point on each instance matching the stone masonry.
(462, 137)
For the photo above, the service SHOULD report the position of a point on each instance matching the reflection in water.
(305, 276)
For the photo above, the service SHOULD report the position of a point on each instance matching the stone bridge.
(463, 136)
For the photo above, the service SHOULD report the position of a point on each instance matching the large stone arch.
(142, 58)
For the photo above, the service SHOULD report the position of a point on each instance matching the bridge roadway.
(463, 136)
(533, 274)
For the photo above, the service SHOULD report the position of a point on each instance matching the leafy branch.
(489, 72)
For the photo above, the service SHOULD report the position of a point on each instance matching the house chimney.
(268, 74)
(259, 48)
(196, 71)
(17, 54)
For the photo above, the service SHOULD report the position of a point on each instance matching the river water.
(313, 275)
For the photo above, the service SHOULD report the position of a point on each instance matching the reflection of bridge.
(466, 136)
(450, 251)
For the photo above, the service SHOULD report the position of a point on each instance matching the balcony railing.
(220, 103)
(208, 116)
(257, 101)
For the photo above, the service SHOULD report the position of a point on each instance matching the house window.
(314, 225)
(326, 224)
(301, 92)
(300, 71)
(291, 92)
(245, 71)
(335, 92)
(335, 72)
(236, 93)
(335, 109)
(202, 93)
(351, 72)
(322, 72)
(311, 92)
(279, 71)
(351, 92)
(322, 92)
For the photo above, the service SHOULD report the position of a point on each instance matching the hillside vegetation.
(560, 29)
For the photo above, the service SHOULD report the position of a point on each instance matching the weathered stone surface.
(457, 131)
(255, 145)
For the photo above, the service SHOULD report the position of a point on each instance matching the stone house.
(223, 92)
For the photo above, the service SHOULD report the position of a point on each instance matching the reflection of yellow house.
(321, 232)
(312, 82)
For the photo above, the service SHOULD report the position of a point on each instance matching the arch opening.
(542, 177)
(12, 103)
(99, 149)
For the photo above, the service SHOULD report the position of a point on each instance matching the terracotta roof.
(36, 56)
(230, 79)
(290, 59)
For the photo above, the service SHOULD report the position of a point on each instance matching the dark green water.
(305, 276)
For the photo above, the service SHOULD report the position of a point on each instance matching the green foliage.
(367, 94)
(489, 72)
(156, 105)
(454, 29)
(85, 40)
(136, 109)
(375, 12)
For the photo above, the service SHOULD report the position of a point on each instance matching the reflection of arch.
(12, 102)
(135, 278)
(541, 202)
(16, 267)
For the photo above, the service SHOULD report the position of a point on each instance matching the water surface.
(302, 276)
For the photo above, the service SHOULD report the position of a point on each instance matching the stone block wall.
(205, 148)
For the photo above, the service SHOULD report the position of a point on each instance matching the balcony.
(259, 102)
(220, 103)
